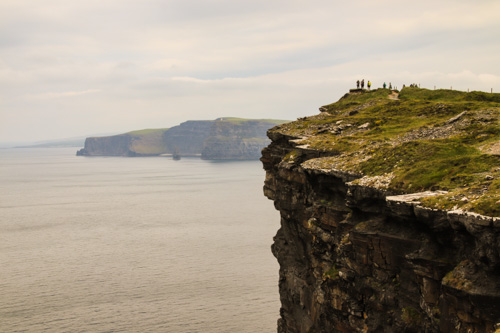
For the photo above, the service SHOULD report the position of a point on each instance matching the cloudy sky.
(73, 68)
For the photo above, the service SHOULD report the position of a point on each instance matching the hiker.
(390, 85)
(385, 85)
(362, 83)
(357, 84)
(369, 84)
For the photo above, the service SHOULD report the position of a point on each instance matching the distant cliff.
(188, 137)
(223, 138)
(234, 138)
(138, 143)
(390, 209)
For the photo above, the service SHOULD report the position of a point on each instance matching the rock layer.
(356, 258)
(118, 145)
(236, 139)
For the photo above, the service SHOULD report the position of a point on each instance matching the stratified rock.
(188, 137)
(232, 138)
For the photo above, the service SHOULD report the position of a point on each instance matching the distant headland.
(222, 138)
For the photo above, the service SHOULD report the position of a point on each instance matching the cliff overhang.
(375, 232)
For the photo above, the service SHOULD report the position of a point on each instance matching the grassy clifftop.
(413, 141)
(239, 121)
(147, 141)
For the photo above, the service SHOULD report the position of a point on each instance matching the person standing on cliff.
(357, 84)
(362, 83)
(369, 85)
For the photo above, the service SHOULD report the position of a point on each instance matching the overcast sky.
(79, 67)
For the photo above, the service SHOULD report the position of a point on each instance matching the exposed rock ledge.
(356, 257)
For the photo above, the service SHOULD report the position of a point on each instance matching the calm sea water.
(110, 244)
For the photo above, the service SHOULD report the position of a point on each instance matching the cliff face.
(357, 255)
(138, 143)
(188, 137)
(236, 139)
(118, 145)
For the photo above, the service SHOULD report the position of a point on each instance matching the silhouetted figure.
(357, 84)
(362, 83)
(390, 85)
(369, 84)
(384, 85)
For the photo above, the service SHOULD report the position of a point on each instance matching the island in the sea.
(222, 138)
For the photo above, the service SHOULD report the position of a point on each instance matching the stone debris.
(379, 182)
(414, 197)
(457, 117)
(364, 126)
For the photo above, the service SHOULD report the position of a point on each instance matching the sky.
(71, 68)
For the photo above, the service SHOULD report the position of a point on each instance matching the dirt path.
(394, 95)
(493, 149)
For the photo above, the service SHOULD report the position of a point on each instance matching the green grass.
(148, 141)
(332, 273)
(411, 316)
(448, 95)
(421, 165)
(415, 139)
(147, 131)
(239, 121)
(350, 101)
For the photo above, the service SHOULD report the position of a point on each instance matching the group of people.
(369, 84)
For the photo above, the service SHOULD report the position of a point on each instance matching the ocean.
(149, 244)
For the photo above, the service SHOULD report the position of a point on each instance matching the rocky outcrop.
(356, 257)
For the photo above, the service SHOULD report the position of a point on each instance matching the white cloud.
(50, 95)
(102, 66)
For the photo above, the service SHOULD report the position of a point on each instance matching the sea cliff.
(389, 209)
(234, 138)
(223, 138)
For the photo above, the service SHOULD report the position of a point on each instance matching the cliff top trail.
(394, 95)
(419, 140)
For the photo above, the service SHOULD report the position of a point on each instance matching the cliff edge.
(390, 208)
